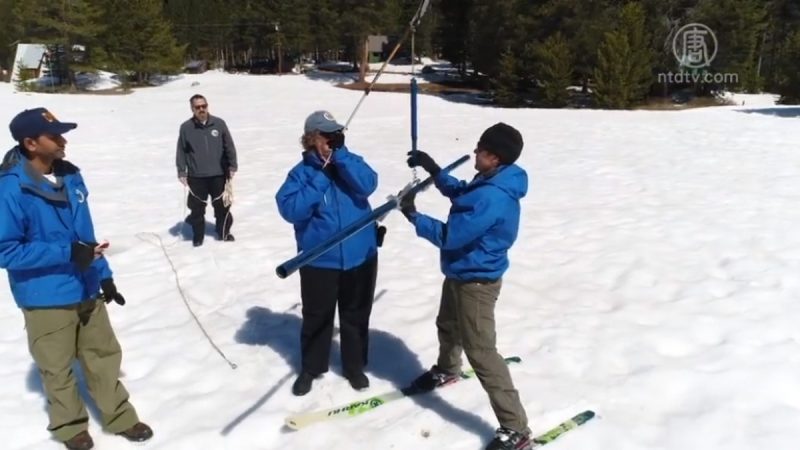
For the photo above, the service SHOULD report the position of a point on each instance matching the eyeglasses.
(203, 106)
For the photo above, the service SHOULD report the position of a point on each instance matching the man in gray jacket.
(206, 160)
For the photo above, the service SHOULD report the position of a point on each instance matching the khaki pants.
(466, 322)
(56, 337)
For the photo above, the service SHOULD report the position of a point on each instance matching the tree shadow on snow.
(787, 112)
(389, 359)
(34, 384)
(332, 77)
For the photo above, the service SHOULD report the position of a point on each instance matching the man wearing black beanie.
(482, 225)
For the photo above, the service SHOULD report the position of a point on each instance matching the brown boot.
(137, 433)
(81, 441)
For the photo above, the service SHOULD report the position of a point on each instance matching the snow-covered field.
(655, 279)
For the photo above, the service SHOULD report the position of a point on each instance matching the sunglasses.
(203, 106)
(331, 134)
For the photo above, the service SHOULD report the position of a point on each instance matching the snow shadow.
(183, 230)
(790, 112)
(389, 359)
(331, 77)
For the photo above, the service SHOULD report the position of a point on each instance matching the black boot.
(359, 381)
(223, 228)
(507, 439)
(302, 385)
(198, 230)
(434, 378)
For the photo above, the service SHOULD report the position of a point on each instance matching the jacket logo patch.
(48, 116)
(215, 133)
(81, 196)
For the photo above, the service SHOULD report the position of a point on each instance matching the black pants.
(203, 188)
(320, 289)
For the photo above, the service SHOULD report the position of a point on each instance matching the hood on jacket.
(512, 179)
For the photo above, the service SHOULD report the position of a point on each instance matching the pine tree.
(784, 20)
(739, 27)
(611, 87)
(204, 26)
(506, 83)
(139, 39)
(359, 19)
(788, 86)
(326, 38)
(624, 71)
(454, 30)
(493, 32)
(584, 25)
(7, 50)
(70, 28)
(555, 66)
(294, 18)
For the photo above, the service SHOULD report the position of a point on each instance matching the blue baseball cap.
(322, 121)
(33, 123)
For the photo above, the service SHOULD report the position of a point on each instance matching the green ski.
(302, 420)
(556, 432)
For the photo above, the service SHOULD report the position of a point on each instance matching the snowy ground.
(655, 279)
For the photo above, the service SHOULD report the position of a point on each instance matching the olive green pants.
(466, 323)
(56, 337)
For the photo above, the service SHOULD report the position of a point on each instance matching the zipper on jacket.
(339, 219)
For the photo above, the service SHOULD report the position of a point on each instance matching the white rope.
(144, 237)
(183, 294)
(227, 194)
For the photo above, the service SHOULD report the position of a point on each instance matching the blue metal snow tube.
(303, 258)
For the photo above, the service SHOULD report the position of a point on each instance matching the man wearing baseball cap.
(474, 243)
(56, 270)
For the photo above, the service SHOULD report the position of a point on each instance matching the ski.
(303, 420)
(559, 430)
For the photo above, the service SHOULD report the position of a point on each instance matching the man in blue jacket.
(324, 193)
(481, 227)
(56, 270)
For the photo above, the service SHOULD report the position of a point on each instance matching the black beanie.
(502, 140)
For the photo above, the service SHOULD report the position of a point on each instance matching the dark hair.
(196, 97)
(22, 149)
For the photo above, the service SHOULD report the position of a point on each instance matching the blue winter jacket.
(320, 203)
(39, 221)
(482, 224)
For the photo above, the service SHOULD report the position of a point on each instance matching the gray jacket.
(205, 150)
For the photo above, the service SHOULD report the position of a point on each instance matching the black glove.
(335, 139)
(418, 158)
(110, 292)
(407, 206)
(82, 254)
(381, 233)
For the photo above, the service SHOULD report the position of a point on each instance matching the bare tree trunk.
(761, 54)
(362, 73)
(280, 58)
